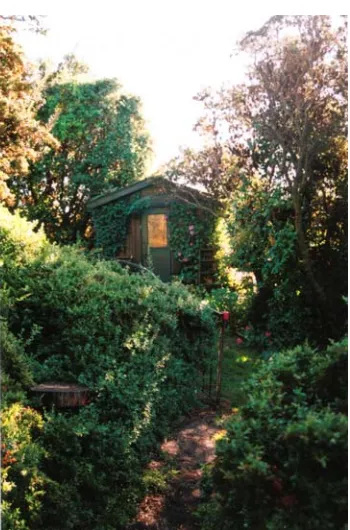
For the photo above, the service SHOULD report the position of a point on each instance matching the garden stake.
(225, 316)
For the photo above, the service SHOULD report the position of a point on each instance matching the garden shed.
(159, 225)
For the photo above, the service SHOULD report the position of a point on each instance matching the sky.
(165, 52)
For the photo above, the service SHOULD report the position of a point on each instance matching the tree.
(286, 129)
(300, 95)
(23, 138)
(103, 144)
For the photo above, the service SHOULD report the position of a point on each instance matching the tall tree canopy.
(277, 151)
(103, 144)
(23, 138)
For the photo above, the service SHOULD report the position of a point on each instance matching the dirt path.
(192, 446)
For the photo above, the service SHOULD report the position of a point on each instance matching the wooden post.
(219, 368)
(225, 317)
(210, 379)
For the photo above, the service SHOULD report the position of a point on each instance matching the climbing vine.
(111, 223)
(190, 231)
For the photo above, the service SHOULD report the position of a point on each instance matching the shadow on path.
(192, 446)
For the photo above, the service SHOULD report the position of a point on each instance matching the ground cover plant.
(239, 363)
(136, 343)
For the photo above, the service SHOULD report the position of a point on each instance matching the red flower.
(268, 334)
(239, 340)
(288, 500)
(277, 485)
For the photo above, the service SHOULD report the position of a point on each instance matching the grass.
(238, 363)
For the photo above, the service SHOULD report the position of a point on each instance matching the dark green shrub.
(282, 463)
(139, 345)
(22, 481)
(15, 371)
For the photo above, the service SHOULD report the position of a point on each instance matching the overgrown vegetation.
(275, 159)
(276, 155)
(64, 138)
(190, 231)
(239, 362)
(140, 355)
(23, 138)
(282, 462)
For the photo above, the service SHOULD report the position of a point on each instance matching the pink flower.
(191, 228)
(191, 244)
(239, 340)
(185, 260)
(247, 328)
(268, 334)
(179, 254)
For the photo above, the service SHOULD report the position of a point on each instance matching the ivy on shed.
(191, 230)
(111, 222)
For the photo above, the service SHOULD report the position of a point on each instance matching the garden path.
(191, 446)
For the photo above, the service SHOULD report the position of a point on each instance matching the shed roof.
(117, 193)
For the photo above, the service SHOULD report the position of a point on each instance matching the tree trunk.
(320, 297)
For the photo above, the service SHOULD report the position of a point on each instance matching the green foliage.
(276, 154)
(111, 223)
(282, 463)
(239, 362)
(156, 480)
(15, 371)
(95, 473)
(191, 229)
(139, 346)
(103, 144)
(265, 243)
(23, 138)
(223, 299)
(20, 242)
(23, 482)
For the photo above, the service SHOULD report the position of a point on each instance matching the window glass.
(157, 230)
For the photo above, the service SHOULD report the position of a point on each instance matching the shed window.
(157, 230)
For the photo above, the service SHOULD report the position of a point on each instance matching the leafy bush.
(225, 299)
(23, 483)
(15, 371)
(137, 344)
(20, 242)
(282, 463)
(191, 230)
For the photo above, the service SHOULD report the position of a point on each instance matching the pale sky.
(162, 51)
